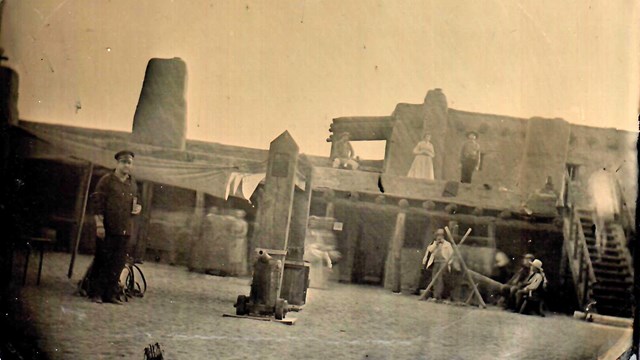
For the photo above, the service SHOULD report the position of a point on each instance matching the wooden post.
(300, 216)
(394, 258)
(491, 234)
(352, 230)
(145, 220)
(329, 196)
(464, 268)
(575, 240)
(82, 195)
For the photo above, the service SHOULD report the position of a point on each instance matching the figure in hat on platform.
(422, 166)
(469, 157)
(115, 202)
(342, 153)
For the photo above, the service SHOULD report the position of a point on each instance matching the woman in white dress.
(422, 166)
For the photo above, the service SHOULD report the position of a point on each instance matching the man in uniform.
(115, 203)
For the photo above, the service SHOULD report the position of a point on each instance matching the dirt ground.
(182, 311)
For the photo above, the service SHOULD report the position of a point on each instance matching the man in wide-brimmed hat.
(469, 157)
(535, 282)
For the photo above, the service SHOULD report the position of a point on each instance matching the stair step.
(610, 258)
(602, 288)
(609, 265)
(611, 246)
(607, 250)
(610, 274)
(627, 282)
(614, 311)
(618, 292)
(611, 300)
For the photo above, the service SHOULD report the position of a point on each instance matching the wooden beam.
(145, 221)
(397, 242)
(82, 195)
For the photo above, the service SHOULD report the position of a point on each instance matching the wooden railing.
(578, 257)
(621, 243)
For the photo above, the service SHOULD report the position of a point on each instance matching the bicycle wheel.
(139, 281)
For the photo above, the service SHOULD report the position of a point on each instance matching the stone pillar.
(8, 97)
(161, 116)
(409, 130)
(545, 153)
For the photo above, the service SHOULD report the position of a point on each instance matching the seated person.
(542, 201)
(516, 281)
(534, 284)
(343, 155)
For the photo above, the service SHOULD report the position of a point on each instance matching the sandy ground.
(183, 312)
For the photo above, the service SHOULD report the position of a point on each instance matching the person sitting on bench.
(533, 285)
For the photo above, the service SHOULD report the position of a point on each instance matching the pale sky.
(257, 68)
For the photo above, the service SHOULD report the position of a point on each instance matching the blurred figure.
(343, 155)
(605, 204)
(502, 267)
(320, 250)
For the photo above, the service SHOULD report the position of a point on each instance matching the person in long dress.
(422, 166)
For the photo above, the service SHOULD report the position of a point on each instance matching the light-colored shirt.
(444, 249)
(534, 282)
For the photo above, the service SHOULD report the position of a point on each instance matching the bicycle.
(131, 284)
(131, 281)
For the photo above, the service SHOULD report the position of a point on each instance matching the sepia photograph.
(319, 179)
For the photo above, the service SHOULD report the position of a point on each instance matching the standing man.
(438, 255)
(469, 158)
(115, 202)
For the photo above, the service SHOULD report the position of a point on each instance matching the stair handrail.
(585, 252)
(619, 236)
(628, 219)
(577, 251)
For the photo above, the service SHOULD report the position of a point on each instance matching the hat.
(439, 232)
(537, 264)
(529, 256)
(122, 153)
(472, 133)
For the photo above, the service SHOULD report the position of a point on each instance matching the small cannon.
(263, 299)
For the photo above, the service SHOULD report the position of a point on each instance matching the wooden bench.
(29, 244)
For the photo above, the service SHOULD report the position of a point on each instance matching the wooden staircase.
(611, 266)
